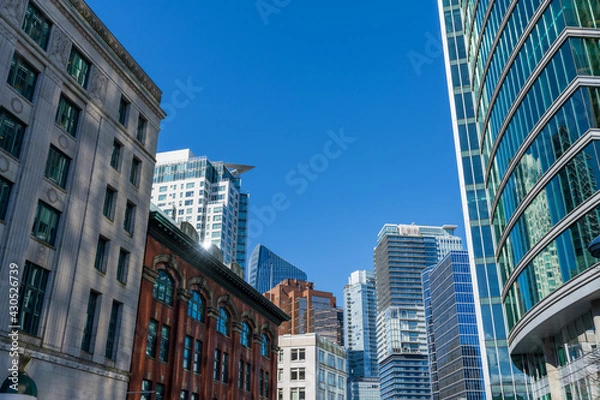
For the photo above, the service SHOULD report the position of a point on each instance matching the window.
(89, 331)
(159, 391)
(134, 175)
(45, 223)
(261, 379)
(297, 394)
(141, 129)
(123, 111)
(129, 219)
(340, 382)
(11, 133)
(115, 157)
(248, 375)
(22, 76)
(31, 297)
(241, 375)
(225, 368)
(113, 330)
(280, 355)
(197, 356)
(298, 354)
(108, 209)
(57, 167)
(265, 345)
(151, 340)
(187, 352)
(223, 322)
(123, 266)
(146, 390)
(246, 334)
(36, 26)
(163, 353)
(78, 67)
(217, 365)
(101, 254)
(5, 189)
(321, 376)
(183, 395)
(298, 374)
(194, 396)
(331, 378)
(67, 115)
(196, 307)
(163, 288)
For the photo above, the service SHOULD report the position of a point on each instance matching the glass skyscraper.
(206, 194)
(452, 333)
(524, 81)
(266, 269)
(360, 335)
(401, 255)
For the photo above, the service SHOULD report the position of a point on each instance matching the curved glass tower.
(533, 95)
(267, 269)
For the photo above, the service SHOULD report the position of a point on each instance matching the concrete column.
(556, 392)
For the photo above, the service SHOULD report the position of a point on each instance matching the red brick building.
(202, 332)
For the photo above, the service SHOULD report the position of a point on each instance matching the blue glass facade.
(266, 269)
(529, 141)
(452, 333)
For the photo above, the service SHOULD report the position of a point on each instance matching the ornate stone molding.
(149, 274)
(13, 10)
(98, 86)
(58, 51)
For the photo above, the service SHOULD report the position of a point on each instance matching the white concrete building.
(310, 368)
(206, 194)
(79, 122)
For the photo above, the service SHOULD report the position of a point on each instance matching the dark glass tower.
(267, 269)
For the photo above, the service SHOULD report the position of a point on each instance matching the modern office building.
(311, 311)
(524, 90)
(266, 269)
(310, 368)
(401, 255)
(202, 332)
(452, 332)
(207, 195)
(79, 122)
(360, 334)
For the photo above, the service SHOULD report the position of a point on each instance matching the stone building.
(202, 332)
(79, 122)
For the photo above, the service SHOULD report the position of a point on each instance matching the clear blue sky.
(273, 86)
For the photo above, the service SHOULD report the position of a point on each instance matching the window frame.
(12, 132)
(67, 115)
(124, 109)
(57, 167)
(109, 205)
(52, 225)
(115, 156)
(101, 259)
(80, 73)
(164, 279)
(196, 306)
(30, 26)
(24, 85)
(34, 282)
(223, 322)
(123, 265)
(5, 192)
(114, 326)
(88, 339)
(129, 218)
(152, 338)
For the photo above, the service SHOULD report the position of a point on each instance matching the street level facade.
(79, 122)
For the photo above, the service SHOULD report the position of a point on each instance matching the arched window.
(265, 345)
(246, 334)
(163, 288)
(223, 322)
(196, 306)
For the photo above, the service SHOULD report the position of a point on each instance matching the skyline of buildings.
(401, 255)
(206, 194)
(266, 269)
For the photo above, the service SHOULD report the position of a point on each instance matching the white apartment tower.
(207, 195)
(79, 122)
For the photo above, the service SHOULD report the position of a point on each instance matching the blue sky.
(341, 106)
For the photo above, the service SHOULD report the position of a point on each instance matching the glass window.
(298, 374)
(298, 354)
(123, 111)
(134, 175)
(187, 352)
(183, 395)
(89, 332)
(265, 345)
(129, 219)
(159, 393)
(45, 223)
(197, 356)
(31, 297)
(245, 335)
(11, 133)
(223, 322)
(78, 67)
(146, 390)
(67, 115)
(225, 368)
(248, 374)
(163, 288)
(108, 209)
(163, 353)
(36, 26)
(101, 254)
(196, 306)
(113, 330)
(217, 365)
(115, 157)
(57, 167)
(5, 189)
(141, 129)
(22, 76)
(123, 266)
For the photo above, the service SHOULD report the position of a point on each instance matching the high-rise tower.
(524, 80)
(401, 255)
(266, 269)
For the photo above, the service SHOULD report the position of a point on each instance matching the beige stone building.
(79, 122)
